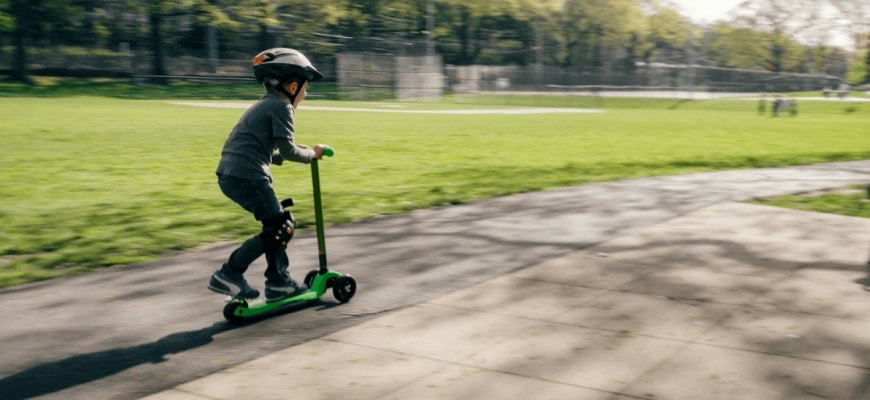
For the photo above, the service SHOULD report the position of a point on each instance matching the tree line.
(590, 35)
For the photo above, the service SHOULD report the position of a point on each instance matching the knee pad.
(278, 231)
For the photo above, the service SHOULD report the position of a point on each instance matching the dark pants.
(258, 198)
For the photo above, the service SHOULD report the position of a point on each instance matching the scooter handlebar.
(328, 151)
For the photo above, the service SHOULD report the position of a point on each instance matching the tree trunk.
(777, 61)
(631, 54)
(867, 66)
(596, 51)
(264, 37)
(464, 37)
(211, 39)
(21, 11)
(157, 66)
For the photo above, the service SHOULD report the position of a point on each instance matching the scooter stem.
(318, 210)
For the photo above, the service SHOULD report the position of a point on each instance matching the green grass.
(88, 182)
(132, 88)
(741, 105)
(853, 201)
(141, 89)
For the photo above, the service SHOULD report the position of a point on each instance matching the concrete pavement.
(126, 333)
(733, 301)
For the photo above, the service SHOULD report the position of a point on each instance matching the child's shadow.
(79, 369)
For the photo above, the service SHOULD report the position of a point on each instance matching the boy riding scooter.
(265, 135)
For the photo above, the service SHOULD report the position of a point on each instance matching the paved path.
(733, 301)
(131, 332)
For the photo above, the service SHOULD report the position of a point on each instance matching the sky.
(708, 11)
(703, 11)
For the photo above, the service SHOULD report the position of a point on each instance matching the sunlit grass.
(88, 182)
(853, 201)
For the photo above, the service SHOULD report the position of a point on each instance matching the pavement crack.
(369, 313)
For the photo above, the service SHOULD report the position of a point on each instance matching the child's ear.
(292, 87)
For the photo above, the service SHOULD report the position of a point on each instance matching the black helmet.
(282, 63)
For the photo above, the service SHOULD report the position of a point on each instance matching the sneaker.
(278, 290)
(231, 283)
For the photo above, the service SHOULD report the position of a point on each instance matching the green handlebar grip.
(329, 151)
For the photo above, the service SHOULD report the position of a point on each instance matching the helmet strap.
(283, 89)
(281, 86)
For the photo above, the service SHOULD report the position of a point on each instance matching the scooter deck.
(239, 309)
(260, 306)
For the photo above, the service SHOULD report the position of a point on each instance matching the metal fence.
(369, 76)
(404, 77)
(476, 79)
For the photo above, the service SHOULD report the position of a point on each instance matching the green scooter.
(318, 281)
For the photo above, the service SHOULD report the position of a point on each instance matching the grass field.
(853, 201)
(88, 182)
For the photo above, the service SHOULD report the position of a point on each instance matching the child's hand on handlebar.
(318, 150)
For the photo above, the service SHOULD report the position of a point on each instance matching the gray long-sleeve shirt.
(256, 141)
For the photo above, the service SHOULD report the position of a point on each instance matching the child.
(264, 135)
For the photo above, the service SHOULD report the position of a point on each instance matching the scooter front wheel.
(344, 288)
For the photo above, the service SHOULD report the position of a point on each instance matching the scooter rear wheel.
(309, 278)
(230, 311)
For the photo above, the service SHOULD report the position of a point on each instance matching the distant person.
(264, 135)
(792, 107)
(843, 90)
(777, 105)
(762, 105)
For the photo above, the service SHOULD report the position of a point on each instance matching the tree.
(784, 21)
(777, 35)
(492, 32)
(458, 30)
(21, 12)
(589, 27)
(7, 23)
(313, 28)
(55, 22)
(666, 32)
(748, 48)
(158, 10)
(736, 47)
(27, 20)
(210, 17)
(867, 67)
(213, 14)
(857, 15)
(859, 68)
(867, 61)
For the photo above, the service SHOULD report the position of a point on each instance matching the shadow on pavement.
(76, 370)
